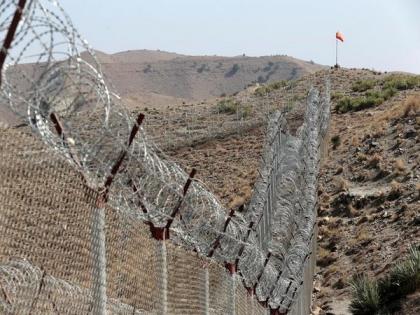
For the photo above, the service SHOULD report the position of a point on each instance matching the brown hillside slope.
(369, 209)
(145, 78)
(157, 78)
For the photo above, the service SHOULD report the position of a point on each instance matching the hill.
(369, 193)
(157, 78)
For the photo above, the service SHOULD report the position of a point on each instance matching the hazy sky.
(380, 34)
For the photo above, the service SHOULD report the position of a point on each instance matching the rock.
(386, 214)
(363, 219)
(339, 284)
(327, 260)
(403, 208)
(316, 310)
(410, 132)
(416, 220)
(351, 251)
(380, 209)
(317, 287)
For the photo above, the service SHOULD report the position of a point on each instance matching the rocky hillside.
(369, 184)
(154, 78)
(369, 211)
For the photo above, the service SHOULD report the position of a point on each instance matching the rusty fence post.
(99, 233)
(11, 34)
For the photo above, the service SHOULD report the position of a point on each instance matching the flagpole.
(336, 52)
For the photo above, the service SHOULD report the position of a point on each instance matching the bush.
(403, 279)
(365, 296)
(363, 85)
(265, 89)
(336, 141)
(388, 92)
(230, 106)
(232, 71)
(376, 297)
(370, 99)
(401, 82)
(347, 104)
(411, 105)
(336, 96)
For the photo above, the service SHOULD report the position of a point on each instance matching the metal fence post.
(98, 229)
(206, 291)
(99, 261)
(163, 276)
(233, 294)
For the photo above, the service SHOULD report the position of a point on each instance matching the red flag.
(339, 36)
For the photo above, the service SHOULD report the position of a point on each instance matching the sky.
(379, 34)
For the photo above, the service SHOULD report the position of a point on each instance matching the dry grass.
(355, 141)
(375, 160)
(328, 231)
(396, 190)
(342, 184)
(399, 166)
(363, 236)
(361, 157)
(411, 105)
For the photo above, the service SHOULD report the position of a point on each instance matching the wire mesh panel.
(220, 283)
(243, 300)
(44, 209)
(44, 215)
(72, 199)
(186, 282)
(132, 263)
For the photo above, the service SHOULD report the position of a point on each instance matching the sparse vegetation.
(266, 89)
(378, 296)
(203, 67)
(370, 99)
(231, 106)
(401, 82)
(342, 184)
(396, 190)
(366, 298)
(232, 71)
(336, 141)
(336, 96)
(363, 85)
(412, 105)
(375, 160)
(400, 166)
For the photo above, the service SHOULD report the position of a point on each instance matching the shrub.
(337, 96)
(363, 85)
(335, 140)
(230, 106)
(388, 92)
(401, 82)
(265, 89)
(375, 297)
(203, 67)
(370, 99)
(412, 105)
(365, 296)
(232, 71)
(227, 106)
(347, 104)
(403, 279)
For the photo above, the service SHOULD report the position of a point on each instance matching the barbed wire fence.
(116, 178)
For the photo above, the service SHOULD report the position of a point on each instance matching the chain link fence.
(96, 219)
